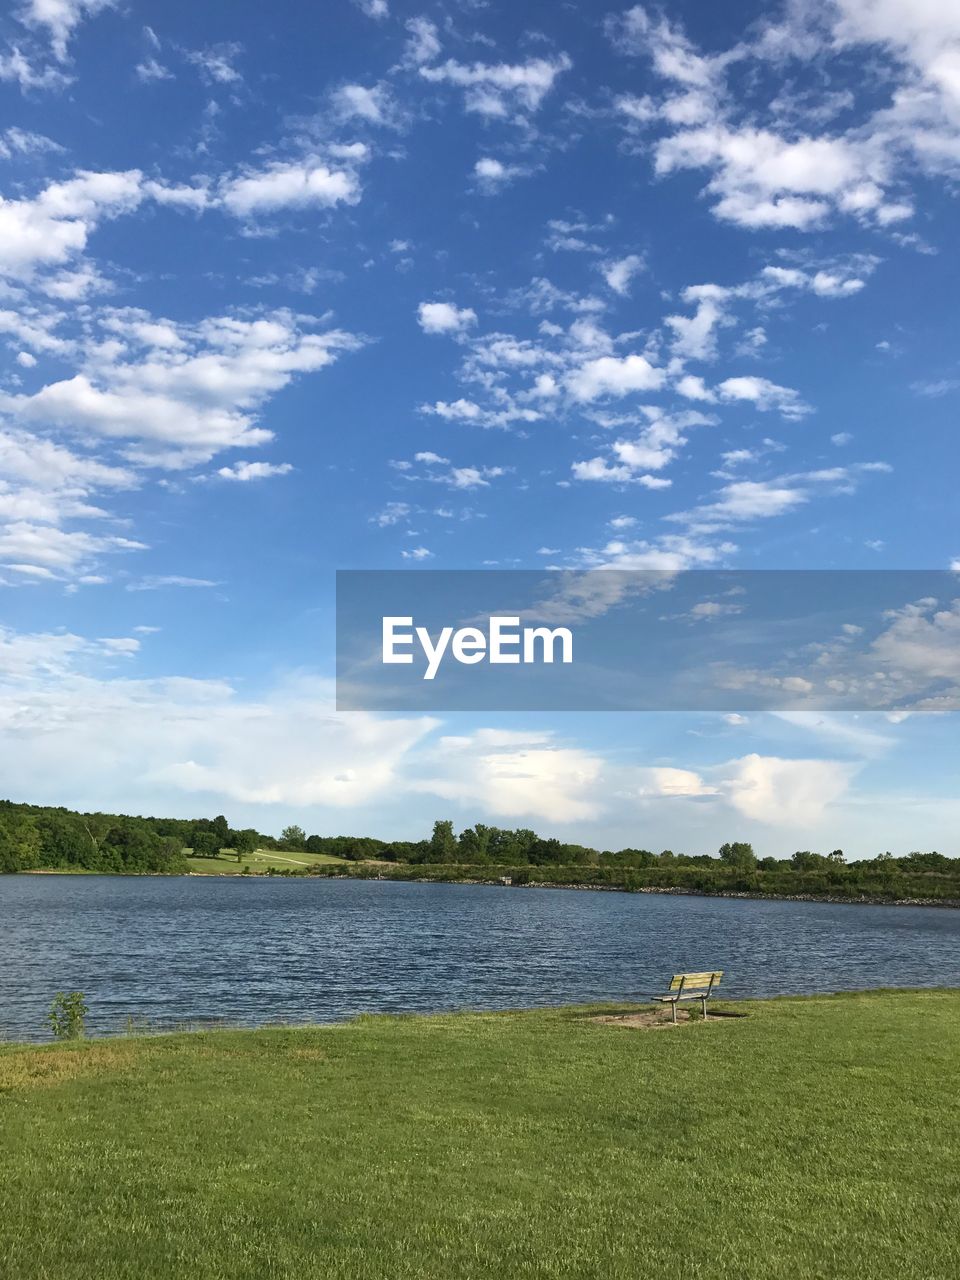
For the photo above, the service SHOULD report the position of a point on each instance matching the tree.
(293, 837)
(244, 841)
(205, 845)
(804, 860)
(20, 844)
(738, 854)
(443, 843)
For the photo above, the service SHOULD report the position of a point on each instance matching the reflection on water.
(178, 950)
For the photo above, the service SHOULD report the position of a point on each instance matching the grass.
(817, 1138)
(258, 862)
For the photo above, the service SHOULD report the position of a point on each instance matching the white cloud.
(61, 552)
(498, 90)
(444, 317)
(782, 792)
(695, 336)
(245, 471)
(163, 395)
(393, 513)
(216, 63)
(613, 376)
(160, 581)
(181, 392)
(46, 465)
(377, 9)
(669, 783)
(692, 387)
(60, 18)
(307, 184)
(54, 226)
(621, 271)
(492, 175)
(746, 500)
(14, 141)
(423, 44)
(516, 775)
(763, 180)
(157, 744)
(357, 101)
(150, 71)
(765, 395)
(417, 553)
(783, 170)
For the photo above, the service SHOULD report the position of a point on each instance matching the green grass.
(258, 862)
(816, 1138)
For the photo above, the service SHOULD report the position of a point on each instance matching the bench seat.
(690, 986)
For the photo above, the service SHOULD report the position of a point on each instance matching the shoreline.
(861, 900)
(864, 900)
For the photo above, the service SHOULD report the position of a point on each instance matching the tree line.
(39, 837)
(36, 837)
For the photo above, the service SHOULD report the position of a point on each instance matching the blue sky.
(371, 284)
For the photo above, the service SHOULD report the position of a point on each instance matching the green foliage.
(206, 844)
(67, 1013)
(739, 854)
(34, 837)
(443, 843)
(293, 837)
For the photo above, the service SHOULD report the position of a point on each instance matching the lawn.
(257, 862)
(814, 1138)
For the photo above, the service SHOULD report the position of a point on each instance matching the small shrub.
(66, 1015)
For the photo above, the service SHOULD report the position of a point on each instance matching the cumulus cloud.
(423, 42)
(377, 9)
(60, 18)
(500, 89)
(492, 175)
(153, 743)
(782, 792)
(181, 393)
(362, 102)
(445, 317)
(614, 376)
(54, 226)
(621, 271)
(778, 167)
(246, 471)
(764, 395)
(516, 775)
(216, 63)
(296, 185)
(746, 500)
(148, 393)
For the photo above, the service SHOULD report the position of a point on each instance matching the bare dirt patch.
(646, 1019)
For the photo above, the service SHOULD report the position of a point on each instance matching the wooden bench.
(690, 986)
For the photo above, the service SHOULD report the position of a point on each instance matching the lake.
(168, 951)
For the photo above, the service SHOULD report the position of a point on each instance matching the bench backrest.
(696, 981)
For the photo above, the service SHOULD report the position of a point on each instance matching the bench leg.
(673, 1009)
(703, 1001)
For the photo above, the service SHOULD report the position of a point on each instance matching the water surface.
(245, 951)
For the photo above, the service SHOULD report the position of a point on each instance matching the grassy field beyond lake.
(816, 1137)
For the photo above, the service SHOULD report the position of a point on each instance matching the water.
(242, 951)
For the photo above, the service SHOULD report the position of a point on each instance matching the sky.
(303, 287)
